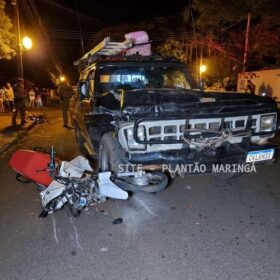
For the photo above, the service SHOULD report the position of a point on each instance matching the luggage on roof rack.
(133, 44)
(104, 48)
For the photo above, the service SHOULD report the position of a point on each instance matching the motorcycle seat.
(32, 165)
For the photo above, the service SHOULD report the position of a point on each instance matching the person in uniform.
(19, 102)
(65, 92)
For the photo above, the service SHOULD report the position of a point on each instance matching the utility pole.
(80, 27)
(246, 48)
(18, 39)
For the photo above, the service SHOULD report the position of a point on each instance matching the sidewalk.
(11, 134)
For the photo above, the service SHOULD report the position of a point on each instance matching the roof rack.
(104, 48)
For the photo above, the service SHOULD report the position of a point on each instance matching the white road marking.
(54, 230)
(145, 206)
(76, 234)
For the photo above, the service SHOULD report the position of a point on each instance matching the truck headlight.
(131, 143)
(268, 123)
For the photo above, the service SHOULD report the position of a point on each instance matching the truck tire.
(111, 154)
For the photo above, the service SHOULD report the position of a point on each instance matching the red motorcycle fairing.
(32, 165)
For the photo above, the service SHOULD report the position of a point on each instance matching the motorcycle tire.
(160, 182)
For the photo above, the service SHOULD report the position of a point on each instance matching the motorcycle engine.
(82, 193)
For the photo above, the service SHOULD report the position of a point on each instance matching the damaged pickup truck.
(132, 110)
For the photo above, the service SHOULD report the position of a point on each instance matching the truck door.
(84, 107)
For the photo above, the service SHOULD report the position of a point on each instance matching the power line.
(32, 13)
(194, 31)
(73, 13)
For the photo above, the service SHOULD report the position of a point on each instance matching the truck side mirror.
(83, 90)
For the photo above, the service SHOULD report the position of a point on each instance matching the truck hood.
(192, 103)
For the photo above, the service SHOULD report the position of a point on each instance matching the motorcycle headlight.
(131, 143)
(268, 123)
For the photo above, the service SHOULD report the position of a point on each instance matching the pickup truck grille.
(173, 130)
(161, 135)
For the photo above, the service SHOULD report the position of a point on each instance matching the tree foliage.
(265, 39)
(215, 14)
(6, 36)
(172, 47)
(225, 22)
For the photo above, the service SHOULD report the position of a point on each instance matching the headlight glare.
(268, 123)
(131, 143)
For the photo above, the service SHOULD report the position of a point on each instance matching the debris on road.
(117, 221)
(105, 249)
(37, 118)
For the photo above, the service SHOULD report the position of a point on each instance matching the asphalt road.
(198, 228)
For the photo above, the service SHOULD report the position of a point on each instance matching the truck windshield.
(113, 78)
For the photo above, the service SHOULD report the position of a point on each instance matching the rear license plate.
(260, 155)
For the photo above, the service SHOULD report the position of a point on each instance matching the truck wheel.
(111, 154)
(155, 182)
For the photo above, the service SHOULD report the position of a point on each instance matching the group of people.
(38, 98)
(34, 98)
(17, 98)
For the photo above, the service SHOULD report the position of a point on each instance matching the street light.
(27, 42)
(62, 78)
(202, 68)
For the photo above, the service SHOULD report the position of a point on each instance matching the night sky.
(113, 12)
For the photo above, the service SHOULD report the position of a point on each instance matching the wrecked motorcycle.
(62, 183)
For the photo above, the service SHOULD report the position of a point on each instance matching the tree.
(265, 40)
(172, 47)
(225, 23)
(217, 14)
(6, 36)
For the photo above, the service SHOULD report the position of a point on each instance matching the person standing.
(31, 98)
(48, 93)
(44, 96)
(39, 101)
(65, 92)
(251, 88)
(10, 96)
(20, 96)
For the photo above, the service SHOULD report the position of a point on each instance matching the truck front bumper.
(208, 158)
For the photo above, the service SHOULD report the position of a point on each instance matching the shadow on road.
(9, 130)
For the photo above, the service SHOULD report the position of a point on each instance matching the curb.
(14, 141)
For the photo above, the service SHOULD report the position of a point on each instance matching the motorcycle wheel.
(157, 181)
